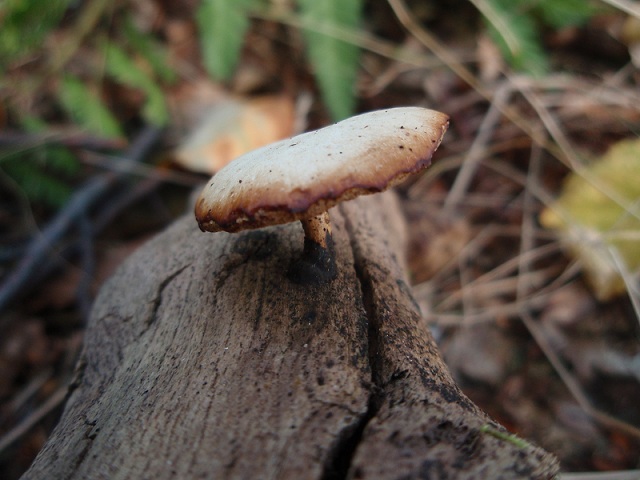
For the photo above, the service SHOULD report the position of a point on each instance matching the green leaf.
(594, 226)
(565, 13)
(41, 171)
(123, 69)
(86, 109)
(334, 62)
(515, 32)
(222, 25)
(37, 184)
(54, 157)
(151, 50)
(24, 24)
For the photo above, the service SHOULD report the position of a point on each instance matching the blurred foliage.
(124, 70)
(603, 233)
(25, 25)
(139, 60)
(129, 57)
(42, 172)
(221, 27)
(560, 14)
(86, 108)
(334, 62)
(517, 27)
(150, 49)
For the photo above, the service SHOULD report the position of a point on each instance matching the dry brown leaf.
(234, 127)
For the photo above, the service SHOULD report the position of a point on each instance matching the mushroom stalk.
(317, 228)
(317, 263)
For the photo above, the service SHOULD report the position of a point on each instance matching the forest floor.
(524, 325)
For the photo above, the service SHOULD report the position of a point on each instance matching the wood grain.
(203, 360)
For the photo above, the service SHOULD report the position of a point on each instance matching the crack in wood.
(340, 459)
(157, 299)
(251, 246)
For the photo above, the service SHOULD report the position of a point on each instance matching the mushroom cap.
(307, 174)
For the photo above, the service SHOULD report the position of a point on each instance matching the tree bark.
(203, 360)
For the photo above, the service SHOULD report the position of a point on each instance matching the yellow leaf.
(598, 217)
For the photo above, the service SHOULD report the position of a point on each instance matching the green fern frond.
(222, 25)
(334, 62)
(38, 185)
(86, 108)
(25, 24)
(122, 68)
(564, 13)
(154, 52)
(516, 34)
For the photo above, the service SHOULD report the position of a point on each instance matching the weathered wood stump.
(203, 360)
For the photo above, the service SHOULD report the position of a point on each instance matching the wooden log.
(203, 360)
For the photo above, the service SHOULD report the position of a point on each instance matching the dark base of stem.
(317, 264)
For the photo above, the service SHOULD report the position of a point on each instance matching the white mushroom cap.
(307, 174)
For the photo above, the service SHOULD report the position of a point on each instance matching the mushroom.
(300, 178)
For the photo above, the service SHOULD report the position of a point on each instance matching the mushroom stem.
(317, 228)
(317, 264)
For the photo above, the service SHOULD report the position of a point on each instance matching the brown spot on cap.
(282, 184)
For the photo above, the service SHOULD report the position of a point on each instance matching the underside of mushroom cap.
(308, 174)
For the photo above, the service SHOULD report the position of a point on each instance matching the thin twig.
(563, 151)
(125, 164)
(21, 397)
(478, 148)
(432, 43)
(66, 138)
(88, 265)
(486, 314)
(572, 159)
(43, 243)
(28, 423)
(77, 206)
(486, 234)
(571, 383)
(483, 315)
(627, 6)
(523, 292)
(483, 291)
(489, 12)
(501, 270)
(631, 283)
(84, 26)
(125, 196)
(355, 37)
(528, 223)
